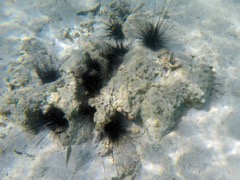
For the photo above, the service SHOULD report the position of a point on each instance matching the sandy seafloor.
(205, 144)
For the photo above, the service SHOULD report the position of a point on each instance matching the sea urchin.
(115, 30)
(47, 71)
(115, 130)
(154, 35)
(52, 121)
(113, 54)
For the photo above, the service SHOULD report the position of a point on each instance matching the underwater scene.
(119, 89)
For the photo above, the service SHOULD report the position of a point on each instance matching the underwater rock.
(24, 106)
(150, 87)
(155, 87)
(94, 11)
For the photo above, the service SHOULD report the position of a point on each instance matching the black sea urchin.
(117, 142)
(92, 83)
(115, 131)
(52, 121)
(114, 29)
(113, 54)
(154, 35)
(92, 66)
(88, 111)
(47, 71)
(91, 76)
(55, 121)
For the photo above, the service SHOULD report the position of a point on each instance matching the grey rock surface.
(154, 87)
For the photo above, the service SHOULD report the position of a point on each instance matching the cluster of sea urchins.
(93, 75)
